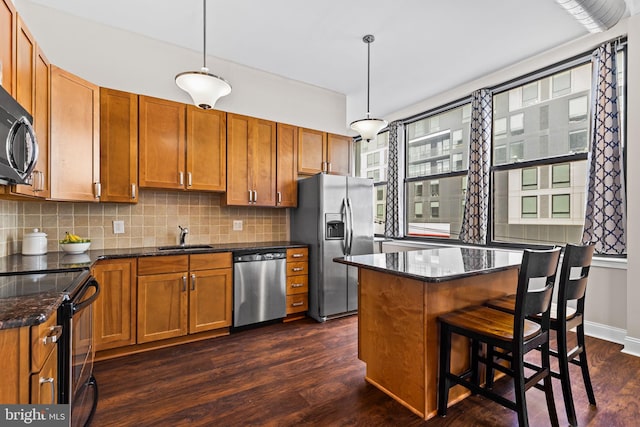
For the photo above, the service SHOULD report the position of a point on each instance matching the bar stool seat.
(492, 323)
(508, 303)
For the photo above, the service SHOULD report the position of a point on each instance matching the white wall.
(122, 60)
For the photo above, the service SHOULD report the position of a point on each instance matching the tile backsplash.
(153, 221)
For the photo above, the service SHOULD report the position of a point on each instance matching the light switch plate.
(237, 225)
(118, 227)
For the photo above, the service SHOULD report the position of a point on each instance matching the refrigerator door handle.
(345, 241)
(349, 233)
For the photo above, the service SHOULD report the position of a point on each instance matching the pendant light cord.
(204, 32)
(368, 73)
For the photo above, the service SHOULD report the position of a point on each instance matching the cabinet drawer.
(44, 384)
(297, 303)
(43, 339)
(163, 264)
(297, 268)
(210, 261)
(297, 284)
(297, 254)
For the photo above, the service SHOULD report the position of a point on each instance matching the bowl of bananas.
(74, 244)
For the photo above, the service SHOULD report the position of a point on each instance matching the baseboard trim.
(631, 346)
(605, 332)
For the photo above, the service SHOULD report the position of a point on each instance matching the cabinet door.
(25, 66)
(238, 185)
(161, 143)
(210, 299)
(75, 137)
(287, 169)
(7, 46)
(40, 178)
(206, 149)
(115, 309)
(311, 151)
(118, 146)
(44, 384)
(162, 306)
(339, 154)
(262, 156)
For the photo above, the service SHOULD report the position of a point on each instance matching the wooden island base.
(398, 331)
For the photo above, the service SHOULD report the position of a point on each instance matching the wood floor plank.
(305, 373)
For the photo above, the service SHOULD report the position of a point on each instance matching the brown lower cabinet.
(175, 299)
(297, 282)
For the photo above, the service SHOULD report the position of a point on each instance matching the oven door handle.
(92, 284)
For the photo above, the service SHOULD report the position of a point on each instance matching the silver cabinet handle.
(133, 191)
(55, 332)
(181, 178)
(279, 197)
(297, 304)
(193, 281)
(255, 196)
(250, 196)
(189, 180)
(98, 189)
(297, 255)
(50, 381)
(329, 167)
(184, 283)
(297, 269)
(297, 285)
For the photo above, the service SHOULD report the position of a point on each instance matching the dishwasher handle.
(261, 256)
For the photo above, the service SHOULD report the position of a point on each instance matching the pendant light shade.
(203, 87)
(368, 128)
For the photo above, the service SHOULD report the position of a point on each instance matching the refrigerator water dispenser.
(334, 227)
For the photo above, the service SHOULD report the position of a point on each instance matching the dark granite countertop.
(34, 309)
(438, 264)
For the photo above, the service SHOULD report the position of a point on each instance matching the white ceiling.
(422, 47)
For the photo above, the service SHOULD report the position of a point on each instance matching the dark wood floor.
(307, 374)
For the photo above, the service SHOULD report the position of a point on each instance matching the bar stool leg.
(518, 388)
(475, 349)
(489, 368)
(443, 381)
(565, 379)
(583, 365)
(548, 386)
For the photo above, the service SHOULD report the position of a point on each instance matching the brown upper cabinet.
(251, 161)
(206, 149)
(181, 147)
(323, 152)
(75, 138)
(118, 146)
(8, 46)
(287, 166)
(25, 66)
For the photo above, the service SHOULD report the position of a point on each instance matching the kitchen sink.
(183, 247)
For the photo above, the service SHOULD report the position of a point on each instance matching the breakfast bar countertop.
(438, 264)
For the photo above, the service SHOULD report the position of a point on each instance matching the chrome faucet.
(183, 235)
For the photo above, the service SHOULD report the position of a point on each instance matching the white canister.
(34, 243)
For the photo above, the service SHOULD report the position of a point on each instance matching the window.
(578, 109)
(548, 155)
(529, 207)
(560, 175)
(516, 123)
(437, 148)
(500, 126)
(371, 160)
(529, 178)
(560, 206)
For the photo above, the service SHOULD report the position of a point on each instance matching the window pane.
(517, 219)
(438, 144)
(372, 158)
(437, 212)
(379, 208)
(529, 178)
(552, 124)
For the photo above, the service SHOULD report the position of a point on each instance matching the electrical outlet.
(237, 225)
(118, 227)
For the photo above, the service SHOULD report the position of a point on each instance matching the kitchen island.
(401, 295)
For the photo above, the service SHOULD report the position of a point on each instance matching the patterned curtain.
(476, 207)
(393, 226)
(604, 221)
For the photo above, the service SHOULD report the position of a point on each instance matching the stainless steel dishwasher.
(259, 286)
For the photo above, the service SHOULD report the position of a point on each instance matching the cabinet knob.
(297, 255)
(297, 269)
(297, 285)
(297, 304)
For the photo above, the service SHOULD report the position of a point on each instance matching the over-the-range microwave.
(18, 144)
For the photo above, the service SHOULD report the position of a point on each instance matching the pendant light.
(203, 87)
(368, 128)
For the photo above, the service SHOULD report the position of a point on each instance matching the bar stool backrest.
(573, 287)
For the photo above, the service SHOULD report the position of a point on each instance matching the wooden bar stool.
(572, 286)
(514, 334)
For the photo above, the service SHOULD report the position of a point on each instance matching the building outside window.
(371, 161)
(529, 207)
(437, 153)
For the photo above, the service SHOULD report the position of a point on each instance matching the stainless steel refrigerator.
(335, 218)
